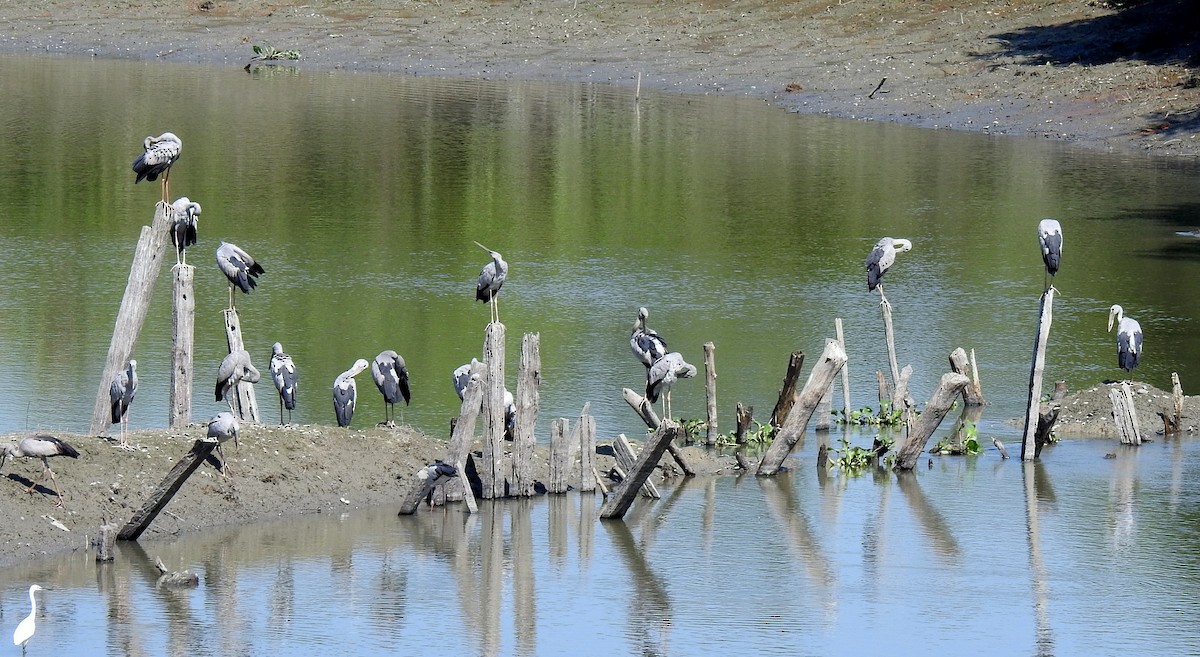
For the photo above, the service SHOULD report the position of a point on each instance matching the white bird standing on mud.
(159, 153)
(880, 260)
(1129, 338)
(40, 446)
(345, 392)
(283, 373)
(491, 279)
(1050, 238)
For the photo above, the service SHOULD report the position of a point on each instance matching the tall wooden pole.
(710, 392)
(491, 475)
(245, 404)
(1029, 439)
(143, 272)
(841, 338)
(890, 336)
(182, 329)
(529, 377)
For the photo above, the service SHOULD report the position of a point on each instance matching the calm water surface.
(733, 222)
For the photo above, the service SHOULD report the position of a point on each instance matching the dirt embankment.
(1118, 75)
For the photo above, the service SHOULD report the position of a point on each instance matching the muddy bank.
(1088, 413)
(1090, 73)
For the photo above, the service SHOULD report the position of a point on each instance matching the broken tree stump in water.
(491, 473)
(1177, 400)
(170, 485)
(587, 451)
(745, 415)
(106, 543)
(645, 411)
(787, 394)
(1048, 416)
(972, 394)
(820, 379)
(560, 453)
(935, 410)
(1046, 316)
(1125, 415)
(626, 492)
(710, 392)
(841, 338)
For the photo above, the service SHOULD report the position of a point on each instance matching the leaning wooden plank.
(935, 410)
(143, 272)
(645, 411)
(820, 380)
(787, 394)
(626, 456)
(170, 485)
(626, 492)
(423, 483)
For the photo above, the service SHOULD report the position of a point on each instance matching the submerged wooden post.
(972, 395)
(645, 411)
(143, 272)
(560, 452)
(841, 338)
(106, 543)
(529, 377)
(626, 457)
(1028, 440)
(625, 493)
(710, 392)
(744, 415)
(820, 379)
(587, 452)
(935, 410)
(491, 475)
(182, 329)
(245, 404)
(1125, 415)
(1048, 416)
(423, 483)
(170, 485)
(787, 394)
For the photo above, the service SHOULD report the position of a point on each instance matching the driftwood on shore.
(160, 496)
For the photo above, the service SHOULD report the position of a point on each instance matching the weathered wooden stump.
(183, 333)
(961, 364)
(1048, 417)
(744, 416)
(560, 454)
(820, 379)
(623, 495)
(1129, 431)
(626, 457)
(935, 410)
(1046, 316)
(529, 377)
(787, 394)
(710, 392)
(491, 472)
(106, 543)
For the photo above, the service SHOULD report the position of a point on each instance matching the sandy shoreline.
(1071, 71)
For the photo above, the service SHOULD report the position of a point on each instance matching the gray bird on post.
(185, 217)
(663, 374)
(235, 368)
(1050, 238)
(239, 267)
(647, 345)
(1129, 338)
(283, 373)
(159, 153)
(391, 377)
(880, 259)
(491, 279)
(40, 446)
(221, 428)
(120, 396)
(345, 392)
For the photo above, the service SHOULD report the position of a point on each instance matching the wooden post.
(161, 495)
(900, 398)
(744, 415)
(972, 395)
(491, 475)
(623, 495)
(143, 272)
(587, 452)
(245, 404)
(787, 394)
(1048, 416)
(1125, 415)
(820, 379)
(1177, 398)
(645, 411)
(1028, 441)
(710, 392)
(891, 340)
(529, 376)
(885, 389)
(560, 452)
(182, 329)
(626, 457)
(974, 384)
(935, 410)
(837, 324)
(459, 448)
(106, 543)
(823, 412)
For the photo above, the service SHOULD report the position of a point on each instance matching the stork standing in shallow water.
(1129, 338)
(283, 373)
(26, 628)
(880, 260)
(647, 345)
(391, 377)
(1050, 238)
(40, 446)
(345, 392)
(159, 153)
(491, 278)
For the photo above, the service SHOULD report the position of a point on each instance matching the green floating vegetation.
(853, 459)
(886, 416)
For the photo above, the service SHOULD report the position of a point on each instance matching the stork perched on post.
(159, 153)
(1050, 238)
(40, 446)
(185, 217)
(491, 279)
(647, 345)
(880, 259)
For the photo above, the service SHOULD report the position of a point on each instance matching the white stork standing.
(345, 392)
(880, 259)
(283, 373)
(159, 153)
(391, 377)
(221, 428)
(1051, 239)
(491, 278)
(40, 446)
(1129, 338)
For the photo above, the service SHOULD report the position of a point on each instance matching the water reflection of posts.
(935, 411)
(780, 493)
(491, 545)
(820, 379)
(143, 272)
(524, 591)
(650, 614)
(930, 519)
(1028, 448)
(183, 332)
(529, 376)
(1035, 477)
(624, 494)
